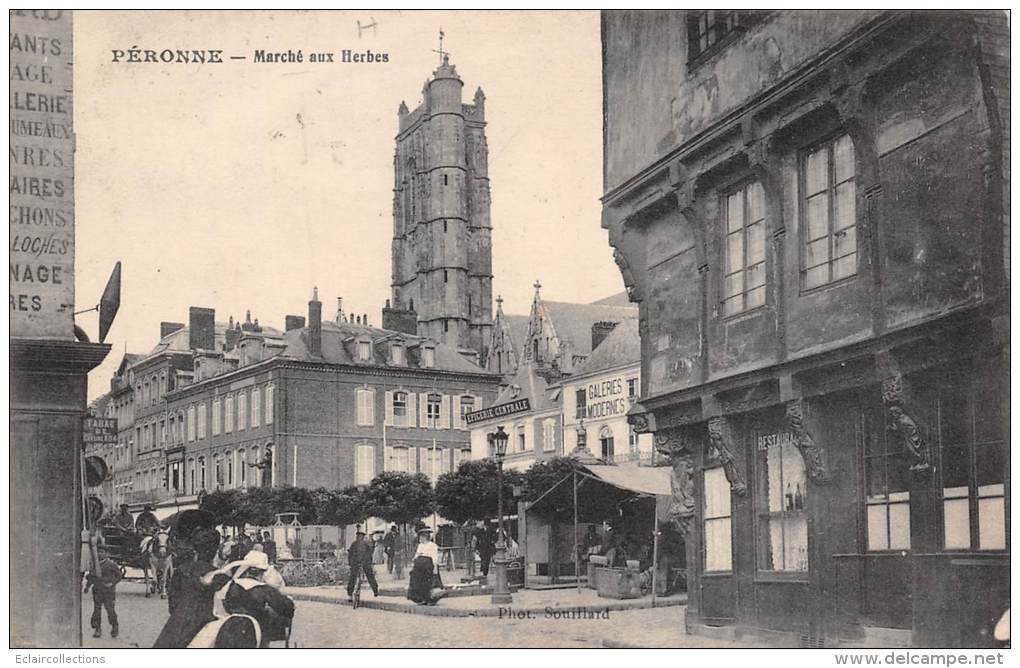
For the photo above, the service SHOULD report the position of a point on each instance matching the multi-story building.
(811, 210)
(324, 405)
(442, 231)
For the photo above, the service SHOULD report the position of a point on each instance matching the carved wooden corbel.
(641, 420)
(718, 443)
(902, 426)
(671, 443)
(809, 451)
(628, 275)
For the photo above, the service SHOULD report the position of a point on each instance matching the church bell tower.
(442, 232)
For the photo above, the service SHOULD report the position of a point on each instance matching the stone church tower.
(442, 243)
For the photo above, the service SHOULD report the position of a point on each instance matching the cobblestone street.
(336, 626)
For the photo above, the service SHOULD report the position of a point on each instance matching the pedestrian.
(388, 548)
(104, 595)
(359, 559)
(470, 551)
(269, 545)
(378, 549)
(190, 601)
(425, 586)
(399, 552)
(486, 548)
(252, 587)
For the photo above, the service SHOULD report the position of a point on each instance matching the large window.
(191, 423)
(743, 215)
(254, 458)
(606, 445)
(401, 410)
(398, 459)
(549, 435)
(270, 392)
(366, 407)
(708, 27)
(216, 410)
(718, 534)
(581, 402)
(433, 410)
(972, 454)
(256, 407)
(887, 503)
(228, 414)
(201, 420)
(242, 410)
(242, 467)
(829, 214)
(364, 465)
(218, 470)
(782, 520)
(228, 460)
(201, 472)
(467, 405)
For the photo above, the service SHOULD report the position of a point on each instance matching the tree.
(400, 497)
(296, 500)
(256, 506)
(471, 492)
(343, 507)
(596, 501)
(225, 506)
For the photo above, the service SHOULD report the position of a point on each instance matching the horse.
(156, 556)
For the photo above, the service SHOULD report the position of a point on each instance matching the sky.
(242, 185)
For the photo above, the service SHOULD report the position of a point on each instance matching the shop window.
(718, 532)
(743, 217)
(782, 521)
(828, 213)
(973, 464)
(887, 502)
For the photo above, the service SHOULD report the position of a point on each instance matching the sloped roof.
(572, 321)
(622, 346)
(619, 299)
(335, 348)
(527, 384)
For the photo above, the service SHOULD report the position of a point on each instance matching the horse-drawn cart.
(131, 549)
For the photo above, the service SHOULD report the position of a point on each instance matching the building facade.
(321, 405)
(442, 230)
(811, 210)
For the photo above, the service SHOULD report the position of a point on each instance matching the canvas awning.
(653, 480)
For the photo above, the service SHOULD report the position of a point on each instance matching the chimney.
(201, 328)
(364, 320)
(232, 335)
(400, 320)
(168, 328)
(339, 310)
(599, 332)
(315, 325)
(292, 322)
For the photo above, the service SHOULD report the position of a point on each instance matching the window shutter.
(456, 412)
(370, 408)
(409, 419)
(389, 409)
(423, 402)
(448, 460)
(444, 412)
(419, 462)
(388, 459)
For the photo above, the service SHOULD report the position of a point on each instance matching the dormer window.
(397, 353)
(364, 351)
(428, 357)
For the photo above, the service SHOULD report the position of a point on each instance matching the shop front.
(871, 506)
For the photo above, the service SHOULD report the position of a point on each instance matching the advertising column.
(49, 363)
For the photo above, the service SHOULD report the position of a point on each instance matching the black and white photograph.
(680, 329)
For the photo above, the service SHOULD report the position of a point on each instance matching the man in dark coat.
(146, 521)
(191, 602)
(359, 559)
(269, 546)
(124, 520)
(104, 595)
(486, 548)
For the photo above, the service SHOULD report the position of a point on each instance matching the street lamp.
(500, 593)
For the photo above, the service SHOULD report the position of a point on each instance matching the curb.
(437, 611)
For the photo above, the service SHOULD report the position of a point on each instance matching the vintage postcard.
(674, 329)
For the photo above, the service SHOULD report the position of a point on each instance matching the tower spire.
(444, 56)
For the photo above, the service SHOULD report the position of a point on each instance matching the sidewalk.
(529, 603)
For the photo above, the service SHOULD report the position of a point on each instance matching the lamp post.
(501, 592)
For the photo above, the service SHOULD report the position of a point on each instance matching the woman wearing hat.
(425, 587)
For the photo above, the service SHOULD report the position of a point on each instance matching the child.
(104, 594)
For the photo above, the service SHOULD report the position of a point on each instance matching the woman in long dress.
(425, 587)
(378, 549)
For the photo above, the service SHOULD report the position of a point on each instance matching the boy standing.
(104, 595)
